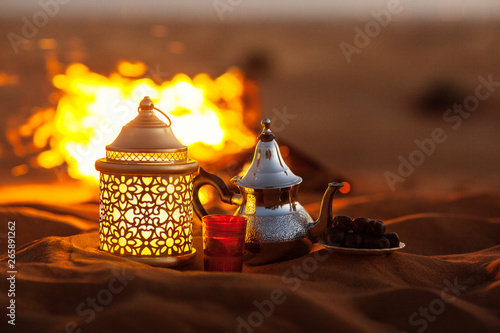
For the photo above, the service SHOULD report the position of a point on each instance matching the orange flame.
(207, 115)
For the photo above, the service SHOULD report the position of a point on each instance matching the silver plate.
(362, 252)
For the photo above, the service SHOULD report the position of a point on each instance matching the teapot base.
(257, 254)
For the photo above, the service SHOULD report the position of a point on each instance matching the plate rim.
(351, 250)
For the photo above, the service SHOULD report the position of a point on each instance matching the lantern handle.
(163, 113)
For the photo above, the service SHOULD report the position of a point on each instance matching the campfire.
(215, 117)
(209, 117)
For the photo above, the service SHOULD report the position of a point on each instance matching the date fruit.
(334, 236)
(352, 240)
(361, 225)
(393, 239)
(361, 232)
(375, 242)
(376, 228)
(343, 223)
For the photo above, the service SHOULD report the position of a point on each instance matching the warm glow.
(131, 69)
(47, 44)
(19, 170)
(8, 79)
(146, 215)
(346, 188)
(204, 195)
(206, 114)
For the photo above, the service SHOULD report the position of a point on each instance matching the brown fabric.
(447, 279)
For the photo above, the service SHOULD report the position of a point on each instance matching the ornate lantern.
(146, 188)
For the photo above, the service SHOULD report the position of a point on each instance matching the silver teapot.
(278, 227)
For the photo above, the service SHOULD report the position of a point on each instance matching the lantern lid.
(147, 139)
(268, 169)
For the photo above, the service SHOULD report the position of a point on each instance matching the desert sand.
(446, 279)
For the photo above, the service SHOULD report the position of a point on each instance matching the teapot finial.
(266, 135)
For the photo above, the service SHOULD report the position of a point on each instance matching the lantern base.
(180, 260)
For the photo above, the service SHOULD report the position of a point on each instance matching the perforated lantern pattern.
(145, 157)
(146, 193)
(146, 215)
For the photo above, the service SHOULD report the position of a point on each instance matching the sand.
(446, 279)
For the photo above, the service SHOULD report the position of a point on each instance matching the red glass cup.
(223, 242)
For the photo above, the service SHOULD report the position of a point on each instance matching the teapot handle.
(205, 178)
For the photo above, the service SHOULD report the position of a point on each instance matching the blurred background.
(349, 85)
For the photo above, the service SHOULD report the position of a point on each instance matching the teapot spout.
(318, 227)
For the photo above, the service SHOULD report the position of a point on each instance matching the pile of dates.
(360, 233)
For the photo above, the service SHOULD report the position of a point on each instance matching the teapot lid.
(268, 169)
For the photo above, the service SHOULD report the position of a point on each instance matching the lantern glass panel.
(146, 215)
